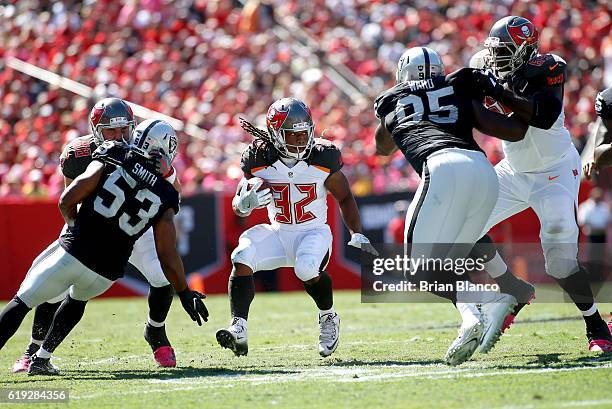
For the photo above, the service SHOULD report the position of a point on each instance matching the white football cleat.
(494, 313)
(234, 337)
(468, 338)
(329, 335)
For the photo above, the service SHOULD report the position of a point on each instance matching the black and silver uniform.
(424, 116)
(603, 104)
(127, 201)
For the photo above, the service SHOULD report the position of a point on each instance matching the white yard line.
(567, 404)
(345, 374)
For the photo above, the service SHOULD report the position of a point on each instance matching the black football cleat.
(42, 366)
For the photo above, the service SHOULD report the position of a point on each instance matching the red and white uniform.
(298, 235)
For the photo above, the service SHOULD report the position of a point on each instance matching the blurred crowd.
(209, 62)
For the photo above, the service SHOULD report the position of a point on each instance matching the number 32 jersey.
(299, 196)
(424, 116)
(128, 200)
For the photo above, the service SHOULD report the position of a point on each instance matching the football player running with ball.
(429, 116)
(111, 119)
(542, 171)
(299, 170)
(121, 195)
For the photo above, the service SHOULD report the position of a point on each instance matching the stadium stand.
(209, 62)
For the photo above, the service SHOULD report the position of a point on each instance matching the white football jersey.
(299, 196)
(540, 149)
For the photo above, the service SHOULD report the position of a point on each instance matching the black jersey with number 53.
(127, 201)
(424, 116)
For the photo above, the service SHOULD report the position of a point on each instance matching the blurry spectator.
(11, 186)
(395, 228)
(594, 217)
(209, 62)
(34, 188)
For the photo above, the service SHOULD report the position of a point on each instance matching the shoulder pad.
(325, 156)
(111, 152)
(385, 103)
(603, 104)
(546, 70)
(76, 156)
(259, 154)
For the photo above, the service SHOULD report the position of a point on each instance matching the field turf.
(389, 357)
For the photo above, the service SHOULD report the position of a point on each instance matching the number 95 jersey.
(299, 196)
(127, 201)
(424, 116)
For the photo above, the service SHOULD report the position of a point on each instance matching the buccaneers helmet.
(511, 43)
(155, 137)
(290, 115)
(419, 63)
(110, 113)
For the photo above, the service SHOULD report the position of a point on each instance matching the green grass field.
(389, 357)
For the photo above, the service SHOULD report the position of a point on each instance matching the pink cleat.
(22, 364)
(509, 320)
(600, 345)
(165, 357)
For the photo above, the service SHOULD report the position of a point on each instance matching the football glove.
(193, 305)
(249, 199)
(361, 242)
(488, 83)
(518, 83)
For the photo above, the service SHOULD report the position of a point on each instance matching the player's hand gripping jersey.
(299, 196)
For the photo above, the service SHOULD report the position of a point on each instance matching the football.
(254, 180)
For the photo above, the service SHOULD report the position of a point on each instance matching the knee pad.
(306, 268)
(560, 259)
(244, 254)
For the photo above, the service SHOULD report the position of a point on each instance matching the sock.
(329, 311)
(11, 318)
(155, 323)
(321, 291)
(160, 299)
(578, 288)
(43, 353)
(66, 318)
(496, 267)
(43, 316)
(241, 293)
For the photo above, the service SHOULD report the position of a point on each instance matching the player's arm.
(172, 266)
(603, 146)
(540, 109)
(67, 182)
(338, 186)
(385, 145)
(508, 128)
(78, 190)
